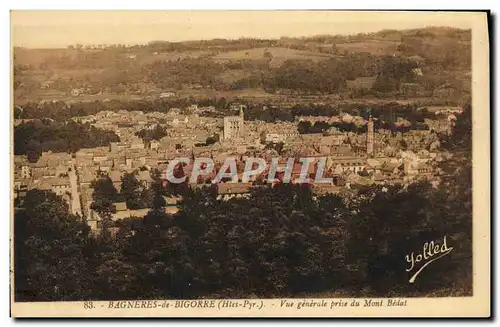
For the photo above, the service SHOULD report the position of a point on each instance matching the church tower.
(242, 119)
(369, 138)
(242, 114)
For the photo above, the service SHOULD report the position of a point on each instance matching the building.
(369, 138)
(227, 191)
(353, 164)
(167, 95)
(233, 126)
(76, 92)
(60, 186)
(25, 171)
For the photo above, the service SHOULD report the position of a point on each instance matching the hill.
(377, 47)
(277, 56)
(421, 60)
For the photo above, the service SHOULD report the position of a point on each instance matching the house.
(322, 189)
(86, 176)
(171, 204)
(120, 206)
(342, 165)
(176, 120)
(21, 187)
(77, 92)
(227, 191)
(417, 72)
(25, 171)
(59, 186)
(153, 144)
(122, 212)
(278, 132)
(297, 169)
(167, 95)
(332, 141)
(390, 168)
(414, 169)
(145, 178)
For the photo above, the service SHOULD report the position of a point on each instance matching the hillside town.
(377, 157)
(278, 159)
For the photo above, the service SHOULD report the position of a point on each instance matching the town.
(240, 164)
(375, 157)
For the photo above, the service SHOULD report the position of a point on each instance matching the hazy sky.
(62, 28)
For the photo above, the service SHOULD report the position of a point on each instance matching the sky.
(48, 29)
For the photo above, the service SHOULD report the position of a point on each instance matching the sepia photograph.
(249, 163)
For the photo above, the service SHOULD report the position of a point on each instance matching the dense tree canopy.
(50, 250)
(280, 242)
(152, 134)
(34, 137)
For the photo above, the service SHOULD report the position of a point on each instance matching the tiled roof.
(121, 206)
(233, 188)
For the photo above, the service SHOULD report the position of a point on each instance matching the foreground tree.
(105, 194)
(49, 251)
(393, 222)
(131, 190)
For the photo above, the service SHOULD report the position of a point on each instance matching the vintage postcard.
(250, 164)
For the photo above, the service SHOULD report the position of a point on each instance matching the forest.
(34, 137)
(283, 241)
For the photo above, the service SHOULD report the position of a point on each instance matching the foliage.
(393, 72)
(50, 257)
(156, 133)
(280, 242)
(132, 190)
(104, 197)
(33, 138)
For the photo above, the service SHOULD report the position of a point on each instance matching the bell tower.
(242, 114)
(242, 119)
(369, 138)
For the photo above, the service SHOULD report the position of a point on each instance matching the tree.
(210, 140)
(34, 137)
(131, 191)
(49, 251)
(17, 112)
(394, 223)
(105, 194)
(157, 133)
(455, 197)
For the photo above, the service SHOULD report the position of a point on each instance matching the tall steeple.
(242, 114)
(369, 138)
(241, 121)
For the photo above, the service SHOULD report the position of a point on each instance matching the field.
(35, 57)
(145, 59)
(233, 75)
(375, 47)
(278, 55)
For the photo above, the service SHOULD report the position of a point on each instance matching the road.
(76, 207)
